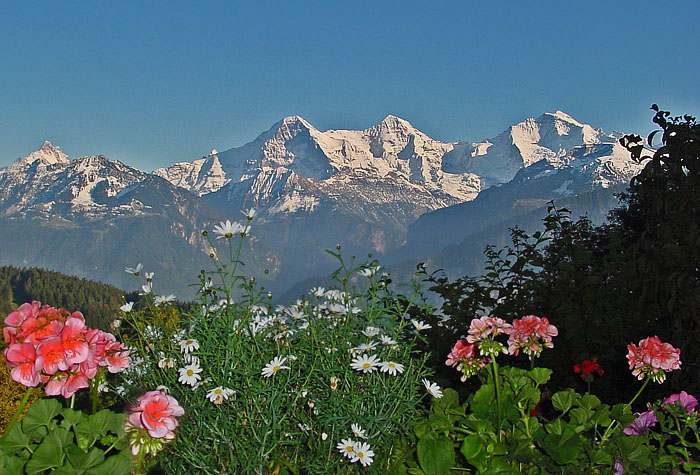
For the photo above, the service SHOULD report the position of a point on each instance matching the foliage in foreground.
(325, 385)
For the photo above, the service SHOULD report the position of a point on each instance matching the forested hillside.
(98, 302)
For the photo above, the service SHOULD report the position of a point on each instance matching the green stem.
(22, 403)
(94, 394)
(72, 401)
(615, 423)
(646, 381)
(497, 388)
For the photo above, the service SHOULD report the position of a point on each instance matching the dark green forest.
(98, 302)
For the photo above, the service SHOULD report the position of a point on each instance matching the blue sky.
(152, 83)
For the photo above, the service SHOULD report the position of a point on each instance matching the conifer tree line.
(98, 302)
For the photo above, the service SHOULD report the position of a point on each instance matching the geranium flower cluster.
(152, 422)
(587, 368)
(653, 358)
(531, 334)
(54, 346)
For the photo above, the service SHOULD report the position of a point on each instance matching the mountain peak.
(561, 115)
(393, 121)
(47, 154)
(294, 120)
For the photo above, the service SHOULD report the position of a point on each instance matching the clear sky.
(152, 83)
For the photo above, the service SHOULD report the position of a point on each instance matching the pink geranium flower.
(22, 358)
(51, 356)
(467, 358)
(54, 346)
(462, 350)
(531, 334)
(67, 383)
(75, 347)
(653, 358)
(156, 412)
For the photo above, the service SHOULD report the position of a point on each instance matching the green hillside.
(98, 302)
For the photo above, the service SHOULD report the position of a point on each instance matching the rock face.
(389, 189)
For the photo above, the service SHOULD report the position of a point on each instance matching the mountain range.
(390, 190)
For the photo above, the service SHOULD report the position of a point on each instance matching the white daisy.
(190, 374)
(318, 292)
(362, 453)
(115, 324)
(149, 276)
(358, 431)
(218, 394)
(324, 436)
(187, 346)
(161, 299)
(334, 383)
(366, 364)
(370, 331)
(273, 366)
(391, 368)
(146, 288)
(121, 390)
(387, 341)
(163, 389)
(191, 359)
(166, 363)
(228, 229)
(346, 447)
(249, 213)
(134, 270)
(364, 347)
(127, 307)
(420, 325)
(432, 388)
(304, 427)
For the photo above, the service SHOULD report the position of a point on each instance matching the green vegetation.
(98, 302)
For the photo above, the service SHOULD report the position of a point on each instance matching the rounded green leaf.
(436, 455)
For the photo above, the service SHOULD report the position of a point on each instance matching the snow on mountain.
(393, 147)
(47, 155)
(391, 150)
(549, 137)
(46, 183)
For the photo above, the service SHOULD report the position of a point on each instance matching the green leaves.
(563, 400)
(65, 441)
(436, 454)
(50, 453)
(564, 447)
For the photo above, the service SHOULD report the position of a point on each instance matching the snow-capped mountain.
(92, 217)
(389, 189)
(390, 152)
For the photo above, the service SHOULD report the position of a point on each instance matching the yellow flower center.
(217, 391)
(349, 448)
(360, 454)
(228, 235)
(366, 365)
(275, 369)
(190, 372)
(392, 365)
